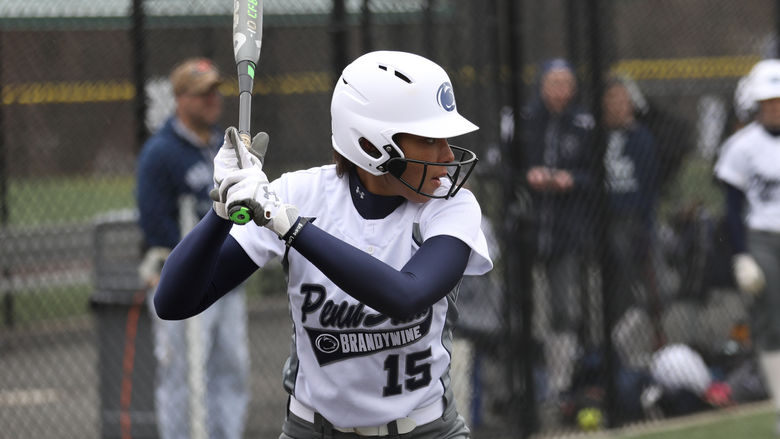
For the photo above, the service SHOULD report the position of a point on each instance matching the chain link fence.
(75, 349)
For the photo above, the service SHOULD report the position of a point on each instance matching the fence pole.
(608, 291)
(366, 35)
(573, 33)
(429, 45)
(137, 29)
(777, 28)
(8, 297)
(338, 25)
(519, 254)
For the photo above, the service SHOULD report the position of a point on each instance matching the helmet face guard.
(458, 171)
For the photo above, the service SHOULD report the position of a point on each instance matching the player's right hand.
(748, 274)
(234, 155)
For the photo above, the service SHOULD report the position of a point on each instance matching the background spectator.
(631, 170)
(202, 364)
(559, 159)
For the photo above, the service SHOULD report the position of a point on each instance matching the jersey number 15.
(418, 374)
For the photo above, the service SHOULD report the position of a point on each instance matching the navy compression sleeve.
(208, 263)
(735, 200)
(428, 276)
(204, 266)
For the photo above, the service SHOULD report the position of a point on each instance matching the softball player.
(749, 168)
(374, 246)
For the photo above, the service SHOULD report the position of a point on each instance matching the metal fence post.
(137, 30)
(604, 255)
(518, 260)
(8, 298)
(777, 28)
(573, 32)
(338, 23)
(429, 45)
(366, 36)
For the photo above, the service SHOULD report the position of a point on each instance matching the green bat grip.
(240, 215)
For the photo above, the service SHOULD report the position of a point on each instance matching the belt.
(417, 417)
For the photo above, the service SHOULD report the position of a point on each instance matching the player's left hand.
(150, 267)
(234, 155)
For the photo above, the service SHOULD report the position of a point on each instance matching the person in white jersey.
(749, 167)
(374, 245)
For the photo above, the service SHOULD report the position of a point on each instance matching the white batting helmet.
(765, 80)
(383, 93)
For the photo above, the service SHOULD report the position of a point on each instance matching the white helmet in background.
(384, 93)
(677, 366)
(744, 104)
(764, 82)
(758, 85)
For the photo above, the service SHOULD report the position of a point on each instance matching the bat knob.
(240, 215)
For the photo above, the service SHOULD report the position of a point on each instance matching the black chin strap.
(396, 168)
(395, 165)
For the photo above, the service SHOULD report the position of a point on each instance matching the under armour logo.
(360, 193)
(271, 196)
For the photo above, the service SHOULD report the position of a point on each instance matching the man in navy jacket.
(202, 363)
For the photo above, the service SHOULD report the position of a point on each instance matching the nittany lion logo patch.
(446, 97)
(327, 343)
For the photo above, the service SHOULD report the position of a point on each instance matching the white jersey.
(350, 363)
(750, 161)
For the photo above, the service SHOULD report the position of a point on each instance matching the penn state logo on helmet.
(446, 97)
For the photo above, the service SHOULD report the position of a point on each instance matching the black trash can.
(126, 360)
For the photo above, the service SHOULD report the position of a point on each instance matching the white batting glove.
(748, 274)
(150, 267)
(250, 188)
(233, 156)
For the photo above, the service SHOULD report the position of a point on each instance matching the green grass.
(41, 304)
(54, 200)
(725, 424)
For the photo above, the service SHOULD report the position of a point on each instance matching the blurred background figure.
(631, 170)
(557, 137)
(202, 387)
(683, 382)
(749, 168)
